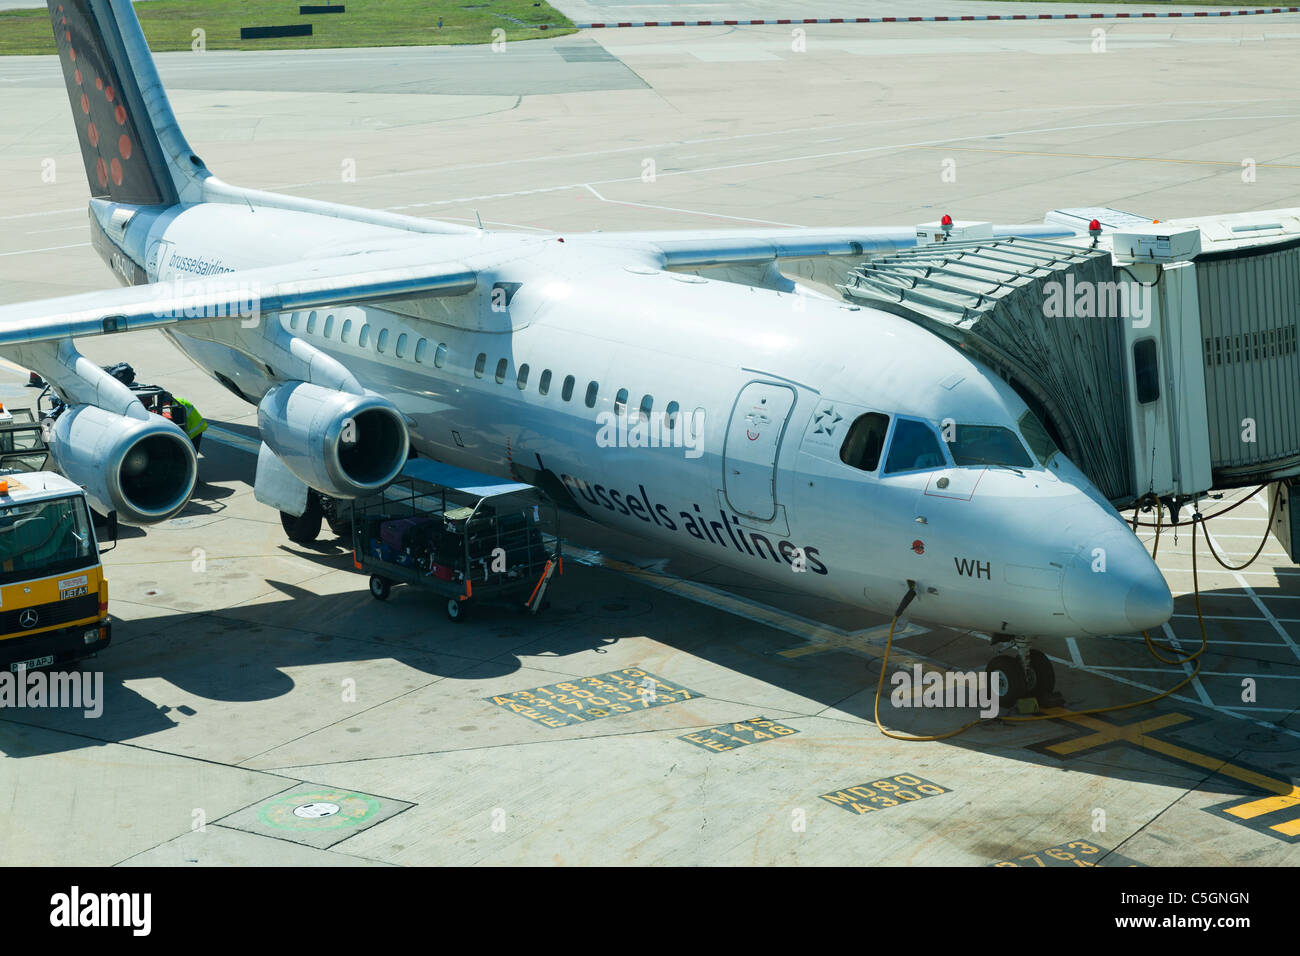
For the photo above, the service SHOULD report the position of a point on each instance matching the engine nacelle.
(142, 468)
(341, 444)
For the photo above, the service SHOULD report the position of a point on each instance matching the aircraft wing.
(239, 295)
(705, 248)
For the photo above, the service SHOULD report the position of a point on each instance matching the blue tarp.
(461, 479)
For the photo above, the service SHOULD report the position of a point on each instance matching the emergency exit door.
(753, 441)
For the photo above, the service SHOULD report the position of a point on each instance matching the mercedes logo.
(28, 618)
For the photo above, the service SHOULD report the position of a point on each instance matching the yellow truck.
(53, 596)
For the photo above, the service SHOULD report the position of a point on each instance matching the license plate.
(34, 662)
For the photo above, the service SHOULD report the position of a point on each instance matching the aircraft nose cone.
(1112, 586)
(1149, 603)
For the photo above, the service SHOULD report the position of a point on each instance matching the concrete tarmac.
(251, 677)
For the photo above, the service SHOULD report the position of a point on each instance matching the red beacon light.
(1094, 228)
(946, 221)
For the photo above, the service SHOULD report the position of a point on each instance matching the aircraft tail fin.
(132, 148)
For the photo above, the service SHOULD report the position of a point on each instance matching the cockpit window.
(914, 446)
(865, 441)
(1040, 443)
(988, 445)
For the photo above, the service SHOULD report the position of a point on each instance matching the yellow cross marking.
(1288, 795)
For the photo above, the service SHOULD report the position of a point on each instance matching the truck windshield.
(988, 445)
(44, 537)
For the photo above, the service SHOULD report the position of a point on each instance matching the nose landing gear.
(1024, 674)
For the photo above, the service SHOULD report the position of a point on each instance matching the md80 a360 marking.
(815, 458)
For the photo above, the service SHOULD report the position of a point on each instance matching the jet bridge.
(1162, 357)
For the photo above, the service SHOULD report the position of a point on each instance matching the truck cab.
(53, 596)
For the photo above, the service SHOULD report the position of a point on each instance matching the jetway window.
(329, 326)
(401, 345)
(346, 334)
(1040, 443)
(670, 414)
(311, 323)
(293, 320)
(502, 365)
(865, 441)
(988, 445)
(382, 344)
(593, 389)
(521, 382)
(620, 402)
(1146, 370)
(363, 337)
(480, 364)
(647, 404)
(421, 349)
(913, 447)
(544, 383)
(440, 355)
(566, 392)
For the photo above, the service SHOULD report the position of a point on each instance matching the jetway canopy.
(989, 297)
(1159, 368)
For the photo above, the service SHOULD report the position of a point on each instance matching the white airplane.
(790, 436)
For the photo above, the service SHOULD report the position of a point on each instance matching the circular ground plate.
(318, 810)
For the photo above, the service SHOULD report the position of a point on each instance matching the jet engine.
(142, 468)
(341, 444)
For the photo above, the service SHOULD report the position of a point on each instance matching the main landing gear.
(1020, 672)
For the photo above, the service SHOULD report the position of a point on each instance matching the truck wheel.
(456, 610)
(380, 588)
(303, 529)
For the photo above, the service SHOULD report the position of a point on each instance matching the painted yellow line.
(1134, 734)
(1109, 733)
(1248, 811)
(1290, 828)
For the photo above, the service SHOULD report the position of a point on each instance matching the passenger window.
(593, 388)
(421, 349)
(913, 447)
(480, 364)
(311, 323)
(522, 381)
(346, 333)
(440, 355)
(363, 337)
(502, 365)
(329, 326)
(620, 402)
(293, 319)
(566, 391)
(865, 441)
(544, 383)
(401, 345)
(647, 403)
(383, 340)
(670, 414)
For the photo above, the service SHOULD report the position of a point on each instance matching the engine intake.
(342, 444)
(142, 468)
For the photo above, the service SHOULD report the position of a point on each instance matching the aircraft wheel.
(456, 610)
(1041, 674)
(380, 588)
(304, 528)
(1008, 679)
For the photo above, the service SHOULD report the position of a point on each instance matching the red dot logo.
(124, 146)
(101, 171)
(76, 75)
(85, 104)
(72, 54)
(93, 135)
(99, 82)
(110, 94)
(120, 115)
(117, 172)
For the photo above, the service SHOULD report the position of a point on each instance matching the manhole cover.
(314, 811)
(320, 810)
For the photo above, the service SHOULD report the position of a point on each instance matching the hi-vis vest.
(194, 424)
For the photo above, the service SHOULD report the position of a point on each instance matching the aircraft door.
(753, 440)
